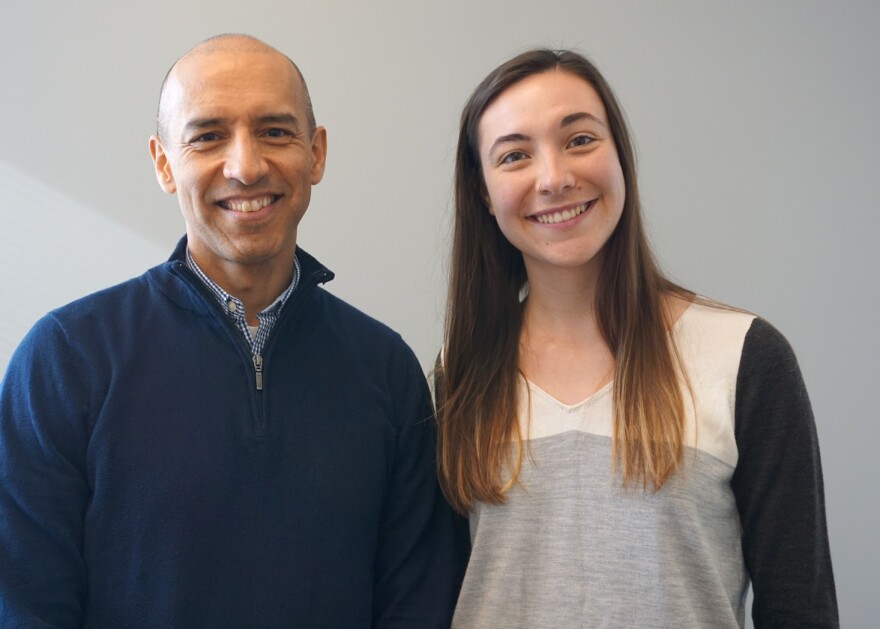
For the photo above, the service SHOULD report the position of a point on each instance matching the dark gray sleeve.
(778, 488)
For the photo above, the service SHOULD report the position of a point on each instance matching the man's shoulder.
(355, 328)
(338, 313)
(89, 326)
(133, 293)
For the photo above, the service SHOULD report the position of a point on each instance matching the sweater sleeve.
(43, 483)
(778, 488)
(423, 546)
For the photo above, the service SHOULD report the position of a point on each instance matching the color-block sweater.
(573, 548)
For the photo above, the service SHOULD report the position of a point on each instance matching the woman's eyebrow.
(510, 137)
(519, 137)
(581, 115)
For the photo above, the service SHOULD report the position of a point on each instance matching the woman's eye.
(581, 140)
(513, 156)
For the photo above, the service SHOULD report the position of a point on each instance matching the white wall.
(755, 123)
(54, 250)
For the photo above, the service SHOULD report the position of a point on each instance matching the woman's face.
(553, 178)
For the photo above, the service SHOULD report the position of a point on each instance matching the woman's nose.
(554, 176)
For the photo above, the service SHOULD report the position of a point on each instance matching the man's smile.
(248, 205)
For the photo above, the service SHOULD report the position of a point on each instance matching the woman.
(629, 455)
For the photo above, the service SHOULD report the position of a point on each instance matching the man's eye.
(206, 137)
(513, 156)
(277, 133)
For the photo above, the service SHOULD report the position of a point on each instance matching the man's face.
(237, 150)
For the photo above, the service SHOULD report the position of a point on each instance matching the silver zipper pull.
(258, 367)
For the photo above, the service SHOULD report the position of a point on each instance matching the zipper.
(316, 278)
(258, 370)
(260, 423)
(184, 272)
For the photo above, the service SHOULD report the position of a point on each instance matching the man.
(220, 442)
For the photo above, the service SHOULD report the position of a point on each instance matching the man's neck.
(256, 285)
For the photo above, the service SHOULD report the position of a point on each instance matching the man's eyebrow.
(197, 124)
(581, 115)
(510, 137)
(288, 119)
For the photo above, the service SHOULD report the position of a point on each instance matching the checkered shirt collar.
(234, 308)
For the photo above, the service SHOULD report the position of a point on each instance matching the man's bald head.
(226, 43)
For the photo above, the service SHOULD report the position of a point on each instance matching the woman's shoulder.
(713, 329)
(712, 338)
(706, 318)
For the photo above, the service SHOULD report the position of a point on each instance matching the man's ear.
(319, 154)
(163, 167)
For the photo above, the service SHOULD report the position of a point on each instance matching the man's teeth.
(564, 215)
(251, 205)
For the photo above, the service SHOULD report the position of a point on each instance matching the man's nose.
(554, 175)
(245, 161)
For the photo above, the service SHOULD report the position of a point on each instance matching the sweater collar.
(313, 273)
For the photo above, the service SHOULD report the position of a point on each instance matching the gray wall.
(756, 125)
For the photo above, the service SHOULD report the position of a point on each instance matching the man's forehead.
(213, 64)
(229, 44)
(229, 68)
(227, 80)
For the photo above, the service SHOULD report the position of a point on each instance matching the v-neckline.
(605, 387)
(552, 398)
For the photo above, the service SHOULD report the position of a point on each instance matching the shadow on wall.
(53, 250)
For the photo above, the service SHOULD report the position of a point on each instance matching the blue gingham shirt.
(234, 308)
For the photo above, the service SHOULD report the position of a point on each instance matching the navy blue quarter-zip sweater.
(146, 481)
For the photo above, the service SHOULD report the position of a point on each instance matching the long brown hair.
(478, 378)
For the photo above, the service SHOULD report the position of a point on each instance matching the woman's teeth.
(564, 215)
